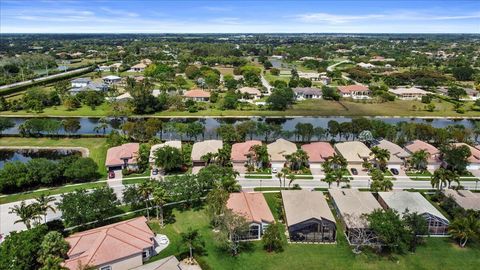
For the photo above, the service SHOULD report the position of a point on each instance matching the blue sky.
(122, 16)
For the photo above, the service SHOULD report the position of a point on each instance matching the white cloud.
(333, 18)
(119, 12)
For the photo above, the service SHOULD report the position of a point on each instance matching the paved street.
(7, 220)
(7, 86)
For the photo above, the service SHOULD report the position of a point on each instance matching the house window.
(254, 231)
(108, 267)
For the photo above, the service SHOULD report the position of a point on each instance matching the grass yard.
(52, 191)
(302, 108)
(97, 146)
(437, 253)
(249, 176)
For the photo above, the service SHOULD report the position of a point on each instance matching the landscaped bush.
(17, 177)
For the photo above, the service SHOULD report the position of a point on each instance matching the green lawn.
(133, 181)
(301, 108)
(96, 146)
(52, 191)
(249, 176)
(437, 253)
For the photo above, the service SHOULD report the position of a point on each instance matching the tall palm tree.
(338, 175)
(145, 190)
(43, 201)
(285, 172)
(419, 159)
(464, 228)
(291, 178)
(159, 198)
(329, 178)
(27, 213)
(208, 158)
(279, 176)
(102, 125)
(439, 178)
(381, 156)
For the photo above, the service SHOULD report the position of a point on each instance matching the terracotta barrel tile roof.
(318, 151)
(109, 243)
(125, 151)
(240, 150)
(352, 88)
(197, 93)
(252, 206)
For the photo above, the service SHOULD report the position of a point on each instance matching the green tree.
(159, 198)
(417, 226)
(44, 203)
(20, 249)
(216, 204)
(80, 207)
(418, 160)
(169, 158)
(52, 246)
(456, 157)
(5, 123)
(390, 229)
(379, 182)
(381, 156)
(192, 239)
(465, 228)
(272, 238)
(27, 213)
(145, 190)
(456, 92)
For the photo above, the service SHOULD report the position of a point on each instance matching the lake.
(24, 155)
(87, 125)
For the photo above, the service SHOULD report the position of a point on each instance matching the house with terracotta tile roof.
(308, 217)
(122, 157)
(464, 198)
(251, 92)
(278, 150)
(318, 152)
(414, 202)
(197, 95)
(433, 161)
(240, 152)
(351, 206)
(474, 157)
(140, 67)
(354, 152)
(254, 208)
(355, 91)
(200, 149)
(119, 246)
(398, 155)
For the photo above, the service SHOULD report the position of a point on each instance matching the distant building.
(197, 95)
(140, 67)
(355, 91)
(409, 93)
(302, 93)
(111, 79)
(252, 92)
(366, 65)
(85, 84)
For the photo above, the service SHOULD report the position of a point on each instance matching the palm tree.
(102, 125)
(191, 238)
(26, 213)
(338, 176)
(439, 178)
(418, 160)
(329, 178)
(145, 190)
(279, 175)
(285, 172)
(43, 201)
(464, 228)
(381, 156)
(290, 177)
(208, 158)
(160, 197)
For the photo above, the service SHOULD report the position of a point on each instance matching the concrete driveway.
(359, 168)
